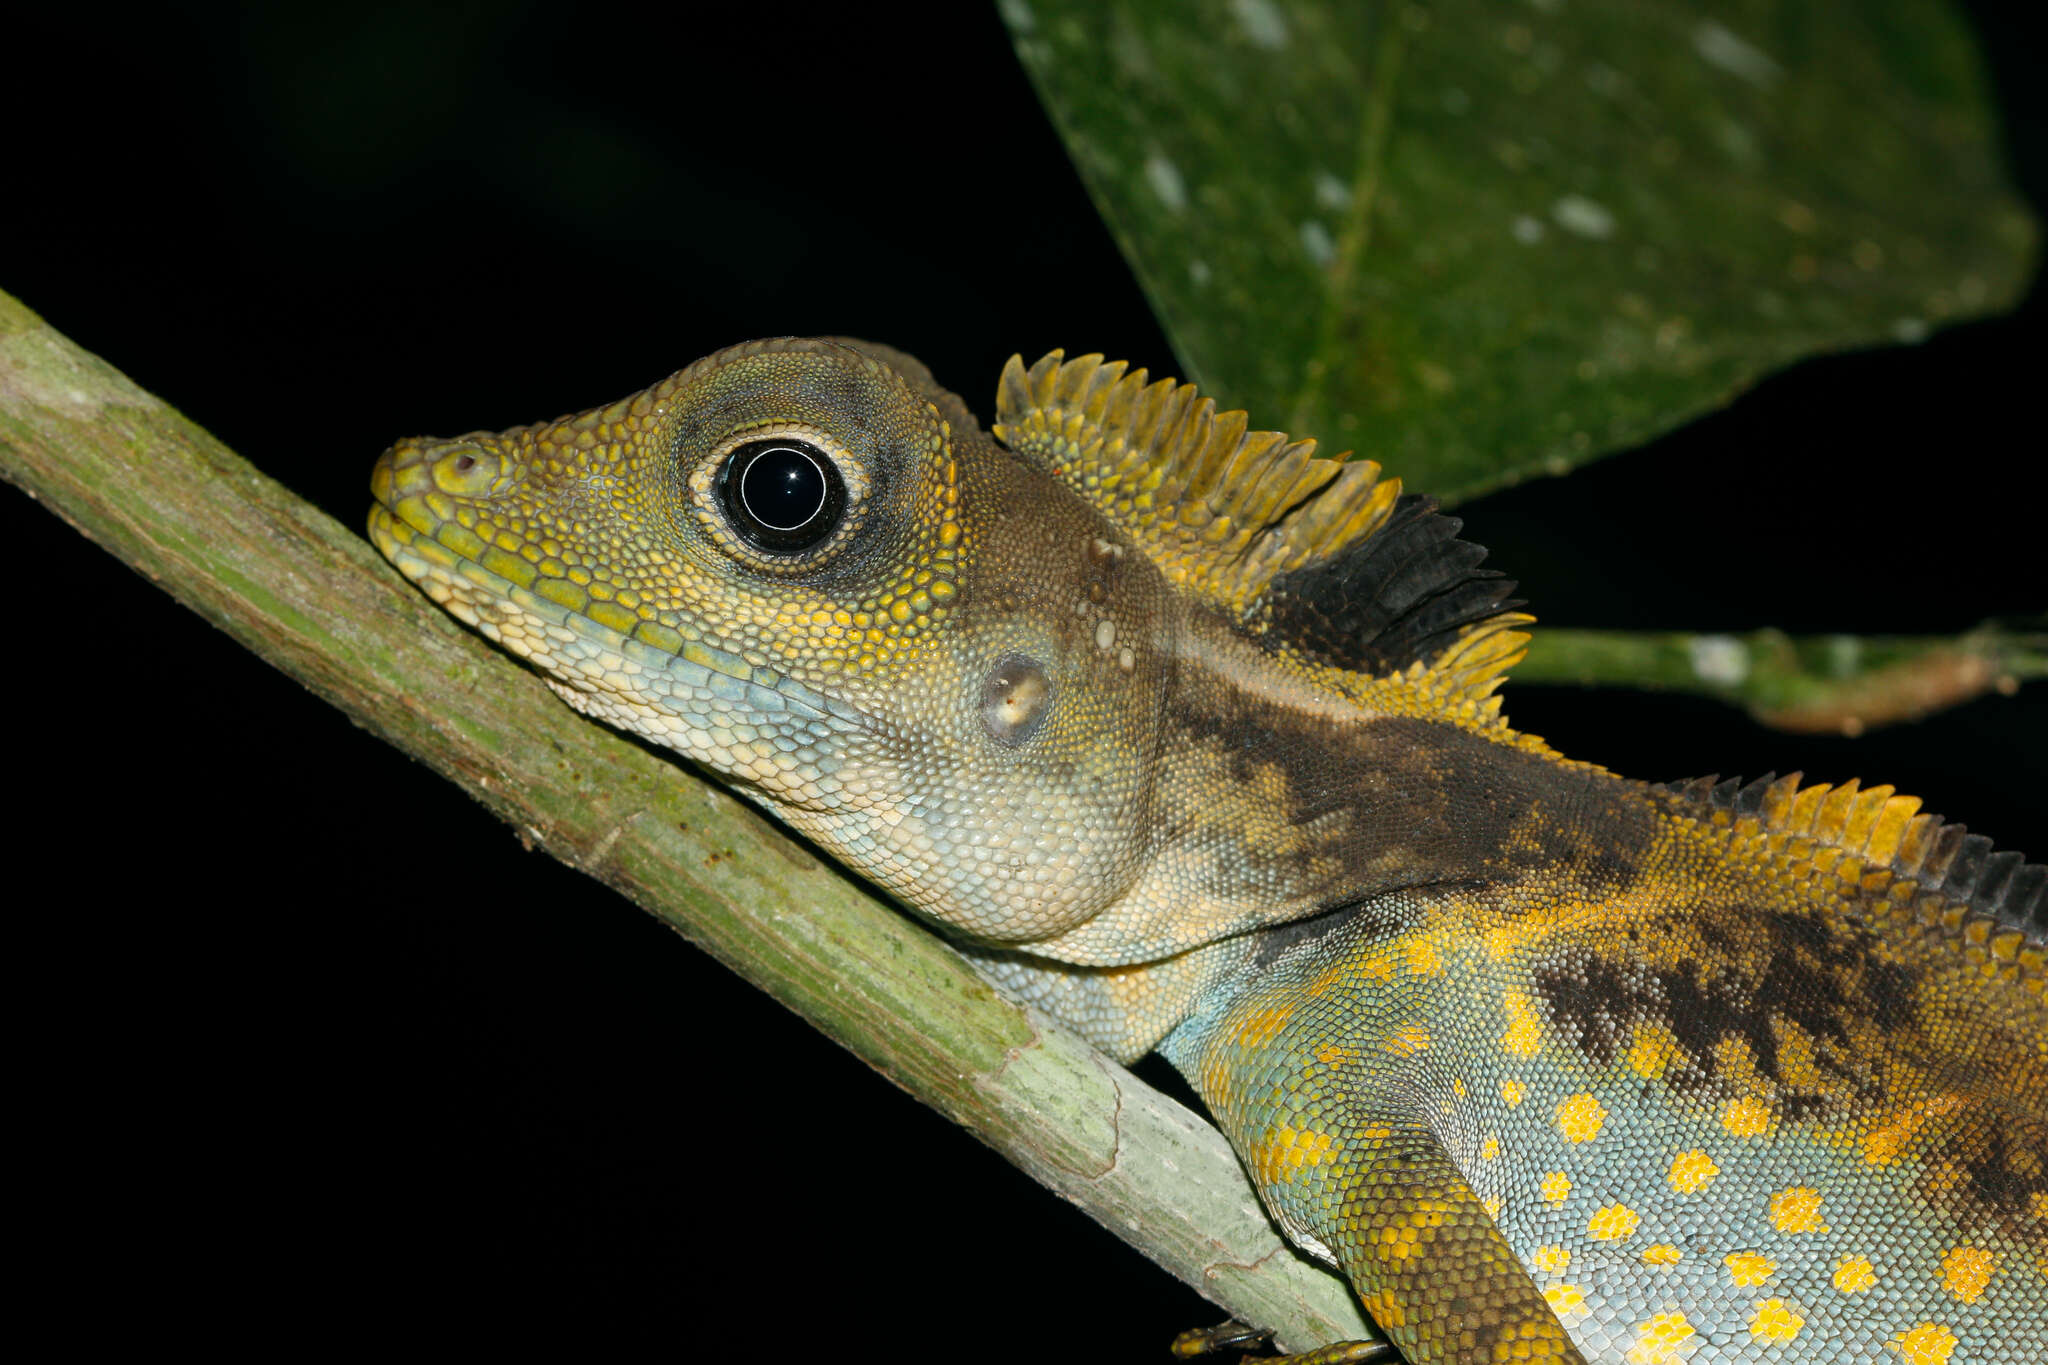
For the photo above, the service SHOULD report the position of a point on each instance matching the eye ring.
(781, 495)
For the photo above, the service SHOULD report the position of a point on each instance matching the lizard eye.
(782, 495)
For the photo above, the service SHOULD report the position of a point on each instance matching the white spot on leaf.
(1581, 216)
(1718, 47)
(1260, 21)
(1331, 192)
(1527, 230)
(1164, 178)
(1317, 242)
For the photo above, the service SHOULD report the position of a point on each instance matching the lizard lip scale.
(1191, 737)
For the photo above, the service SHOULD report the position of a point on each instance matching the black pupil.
(782, 495)
(783, 488)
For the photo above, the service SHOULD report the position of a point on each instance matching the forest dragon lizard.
(1190, 738)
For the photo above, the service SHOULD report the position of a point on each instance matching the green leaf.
(1481, 241)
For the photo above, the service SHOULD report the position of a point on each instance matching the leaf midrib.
(1375, 130)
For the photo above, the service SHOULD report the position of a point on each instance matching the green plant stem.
(1813, 684)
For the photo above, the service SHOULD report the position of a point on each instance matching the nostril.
(464, 470)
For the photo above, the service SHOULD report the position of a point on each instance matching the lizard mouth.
(744, 719)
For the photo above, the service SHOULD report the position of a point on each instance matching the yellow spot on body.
(1384, 1309)
(1285, 1151)
(1489, 1150)
(1797, 1066)
(1408, 1040)
(1405, 1238)
(1651, 1052)
(1580, 1118)
(1854, 1275)
(1458, 1089)
(1331, 975)
(1928, 1344)
(1692, 1171)
(1797, 1210)
(1491, 1205)
(1556, 1187)
(1422, 958)
(1735, 1062)
(1615, 1223)
(1659, 1340)
(1775, 1321)
(1329, 1054)
(1377, 967)
(1524, 1035)
(1662, 1253)
(1938, 1178)
(1261, 1025)
(1511, 1093)
(1555, 1260)
(1216, 1078)
(1746, 1117)
(1883, 1145)
(1749, 1268)
(1966, 1271)
(1565, 1300)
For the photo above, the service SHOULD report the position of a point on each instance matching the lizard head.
(1120, 686)
(803, 564)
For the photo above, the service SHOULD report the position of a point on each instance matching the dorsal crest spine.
(1824, 825)
(1321, 556)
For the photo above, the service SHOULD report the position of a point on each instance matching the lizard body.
(1191, 738)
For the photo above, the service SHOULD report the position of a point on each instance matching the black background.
(308, 1051)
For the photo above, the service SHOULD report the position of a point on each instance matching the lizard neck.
(1278, 797)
